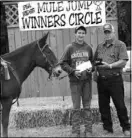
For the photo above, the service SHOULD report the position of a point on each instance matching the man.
(80, 83)
(114, 56)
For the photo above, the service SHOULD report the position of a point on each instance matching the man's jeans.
(112, 87)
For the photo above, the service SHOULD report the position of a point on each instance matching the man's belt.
(110, 75)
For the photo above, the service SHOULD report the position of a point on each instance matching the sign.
(47, 15)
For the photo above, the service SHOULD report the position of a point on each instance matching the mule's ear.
(43, 39)
(46, 36)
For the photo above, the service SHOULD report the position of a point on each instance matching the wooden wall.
(36, 84)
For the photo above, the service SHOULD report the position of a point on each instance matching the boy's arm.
(65, 61)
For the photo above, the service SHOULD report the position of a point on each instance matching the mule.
(21, 63)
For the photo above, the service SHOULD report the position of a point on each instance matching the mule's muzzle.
(57, 73)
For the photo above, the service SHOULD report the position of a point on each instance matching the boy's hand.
(95, 76)
(77, 73)
(89, 70)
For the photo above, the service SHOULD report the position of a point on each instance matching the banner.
(47, 15)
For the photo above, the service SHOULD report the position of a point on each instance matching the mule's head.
(46, 58)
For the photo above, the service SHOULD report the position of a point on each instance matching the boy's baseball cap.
(80, 28)
(107, 27)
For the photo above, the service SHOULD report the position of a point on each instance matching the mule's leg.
(6, 107)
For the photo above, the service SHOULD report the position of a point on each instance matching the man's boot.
(76, 123)
(88, 122)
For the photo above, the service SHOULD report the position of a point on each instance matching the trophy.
(98, 62)
(98, 3)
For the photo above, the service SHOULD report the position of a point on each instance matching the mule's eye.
(48, 51)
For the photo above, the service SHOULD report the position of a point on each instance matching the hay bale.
(34, 119)
(47, 112)
(12, 122)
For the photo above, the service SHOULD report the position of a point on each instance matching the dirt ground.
(62, 131)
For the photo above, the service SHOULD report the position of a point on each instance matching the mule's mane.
(19, 51)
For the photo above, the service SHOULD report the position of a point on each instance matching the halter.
(44, 55)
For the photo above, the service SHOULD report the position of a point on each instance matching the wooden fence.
(36, 84)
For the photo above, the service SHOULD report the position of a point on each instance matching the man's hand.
(77, 73)
(104, 66)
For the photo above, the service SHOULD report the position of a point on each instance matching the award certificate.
(84, 66)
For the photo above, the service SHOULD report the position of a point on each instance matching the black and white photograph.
(65, 68)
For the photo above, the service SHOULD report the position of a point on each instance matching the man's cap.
(108, 27)
(80, 28)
